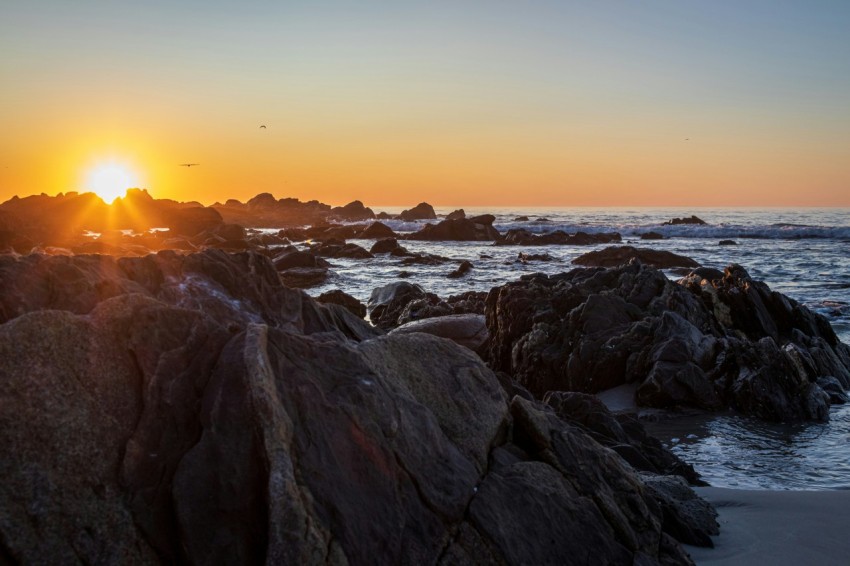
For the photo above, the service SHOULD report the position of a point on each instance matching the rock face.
(422, 211)
(621, 255)
(479, 229)
(709, 343)
(192, 409)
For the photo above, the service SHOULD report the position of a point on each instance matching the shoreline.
(777, 527)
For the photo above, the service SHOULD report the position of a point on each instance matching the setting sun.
(110, 181)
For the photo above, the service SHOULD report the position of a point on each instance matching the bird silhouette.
(263, 127)
(187, 164)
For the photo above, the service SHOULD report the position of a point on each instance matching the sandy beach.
(778, 527)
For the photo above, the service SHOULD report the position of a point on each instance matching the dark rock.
(468, 330)
(687, 518)
(325, 232)
(386, 303)
(833, 388)
(483, 219)
(524, 257)
(339, 249)
(419, 258)
(338, 297)
(651, 236)
(296, 258)
(385, 216)
(384, 245)
(195, 410)
(304, 277)
(377, 230)
(422, 211)
(230, 232)
(293, 234)
(464, 268)
(191, 221)
(727, 243)
(521, 219)
(353, 211)
(456, 215)
(687, 220)
(457, 230)
(709, 344)
(523, 237)
(621, 255)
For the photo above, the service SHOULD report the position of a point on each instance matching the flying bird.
(187, 164)
(263, 127)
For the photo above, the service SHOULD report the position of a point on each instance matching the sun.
(110, 181)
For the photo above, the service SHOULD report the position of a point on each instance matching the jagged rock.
(523, 237)
(687, 220)
(621, 255)
(422, 211)
(468, 330)
(464, 268)
(699, 343)
(338, 297)
(353, 211)
(461, 229)
(195, 410)
(377, 230)
(458, 214)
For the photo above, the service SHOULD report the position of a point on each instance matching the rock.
(419, 258)
(340, 249)
(338, 297)
(422, 211)
(325, 232)
(687, 518)
(304, 277)
(385, 245)
(687, 220)
(651, 236)
(709, 344)
(292, 257)
(483, 219)
(469, 330)
(621, 255)
(353, 211)
(521, 219)
(385, 216)
(457, 230)
(386, 303)
(456, 215)
(832, 387)
(727, 243)
(230, 232)
(200, 411)
(464, 268)
(192, 221)
(377, 230)
(523, 257)
(523, 237)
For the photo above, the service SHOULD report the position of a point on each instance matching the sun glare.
(110, 181)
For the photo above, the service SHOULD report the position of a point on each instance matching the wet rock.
(651, 236)
(524, 257)
(461, 229)
(462, 269)
(704, 343)
(353, 211)
(385, 245)
(377, 230)
(422, 211)
(469, 330)
(833, 388)
(387, 303)
(727, 243)
(339, 249)
(338, 297)
(521, 219)
(420, 258)
(293, 257)
(324, 232)
(523, 237)
(687, 220)
(621, 255)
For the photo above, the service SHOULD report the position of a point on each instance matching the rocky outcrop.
(191, 409)
(353, 211)
(458, 214)
(339, 297)
(621, 255)
(462, 269)
(523, 237)
(462, 229)
(385, 246)
(377, 230)
(422, 211)
(693, 219)
(709, 343)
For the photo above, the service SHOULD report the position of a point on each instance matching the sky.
(615, 103)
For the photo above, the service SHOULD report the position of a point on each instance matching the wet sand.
(778, 528)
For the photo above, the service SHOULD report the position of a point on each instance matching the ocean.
(803, 253)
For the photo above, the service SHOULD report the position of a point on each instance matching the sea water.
(802, 253)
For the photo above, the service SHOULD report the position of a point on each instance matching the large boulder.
(353, 211)
(621, 255)
(422, 211)
(461, 229)
(468, 330)
(206, 413)
(702, 343)
(192, 221)
(377, 230)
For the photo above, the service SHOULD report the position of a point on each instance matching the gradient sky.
(675, 103)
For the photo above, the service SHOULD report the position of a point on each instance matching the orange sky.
(559, 106)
